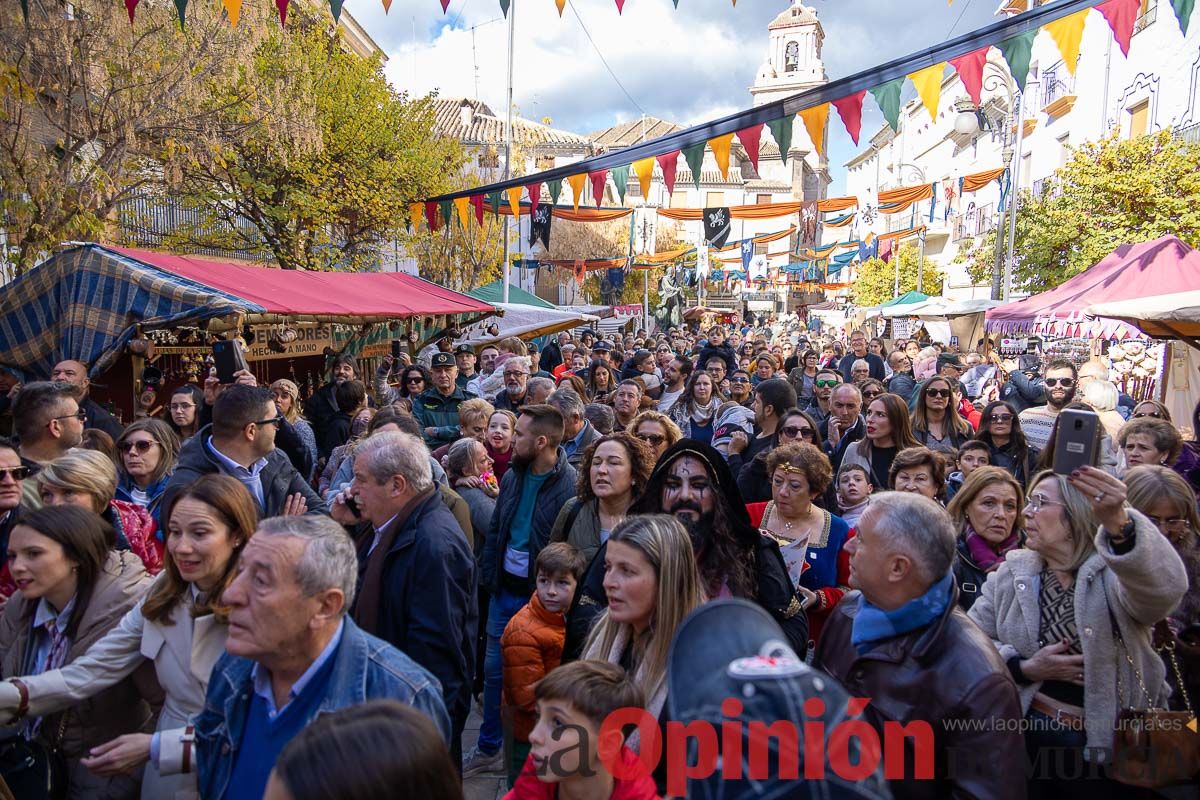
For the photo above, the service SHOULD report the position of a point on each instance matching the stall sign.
(311, 340)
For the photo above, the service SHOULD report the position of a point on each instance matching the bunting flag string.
(781, 130)
(1121, 16)
(721, 146)
(815, 119)
(668, 162)
(535, 194)
(598, 179)
(970, 71)
(1018, 53)
(514, 199)
(1067, 33)
(887, 97)
(694, 157)
(620, 176)
(849, 108)
(749, 138)
(463, 206)
(644, 170)
(576, 183)
(928, 83)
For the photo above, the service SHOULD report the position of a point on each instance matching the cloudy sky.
(686, 65)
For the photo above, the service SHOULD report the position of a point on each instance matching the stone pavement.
(482, 786)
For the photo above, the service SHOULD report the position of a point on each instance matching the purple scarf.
(986, 556)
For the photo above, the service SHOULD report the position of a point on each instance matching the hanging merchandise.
(717, 226)
(539, 225)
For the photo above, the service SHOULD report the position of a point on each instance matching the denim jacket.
(365, 668)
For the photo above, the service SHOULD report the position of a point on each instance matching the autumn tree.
(333, 161)
(1110, 193)
(90, 103)
(876, 281)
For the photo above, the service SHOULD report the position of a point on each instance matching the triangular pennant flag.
(477, 205)
(495, 200)
(1183, 12)
(620, 177)
(750, 138)
(576, 182)
(694, 157)
(463, 206)
(387, 6)
(445, 5)
(561, 5)
(969, 67)
(181, 10)
(415, 212)
(644, 170)
(887, 97)
(335, 6)
(514, 201)
(781, 131)
(131, 5)
(535, 195)
(281, 6)
(1121, 16)
(446, 207)
(720, 146)
(1017, 52)
(598, 179)
(667, 162)
(555, 188)
(814, 120)
(928, 83)
(504, 7)
(849, 108)
(1067, 33)
(620, 6)
(431, 215)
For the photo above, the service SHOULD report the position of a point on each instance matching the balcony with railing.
(1147, 17)
(973, 223)
(1188, 133)
(1058, 93)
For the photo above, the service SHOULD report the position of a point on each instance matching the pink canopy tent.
(1132, 271)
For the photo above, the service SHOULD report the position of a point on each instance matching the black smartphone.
(1077, 442)
(228, 359)
(397, 348)
(352, 504)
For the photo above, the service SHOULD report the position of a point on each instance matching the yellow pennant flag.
(514, 200)
(644, 170)
(720, 147)
(561, 5)
(814, 120)
(387, 6)
(1067, 33)
(577, 182)
(463, 206)
(928, 83)
(416, 213)
(234, 9)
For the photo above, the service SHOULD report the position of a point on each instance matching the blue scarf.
(872, 625)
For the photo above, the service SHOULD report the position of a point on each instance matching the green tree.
(1110, 193)
(876, 279)
(334, 158)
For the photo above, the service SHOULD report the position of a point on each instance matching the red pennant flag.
(749, 137)
(620, 6)
(667, 162)
(535, 195)
(431, 214)
(281, 7)
(445, 4)
(849, 108)
(130, 5)
(1121, 14)
(477, 204)
(970, 70)
(598, 179)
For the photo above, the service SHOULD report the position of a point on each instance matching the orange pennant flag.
(387, 6)
(814, 120)
(577, 182)
(644, 170)
(561, 5)
(720, 146)
(463, 206)
(928, 83)
(416, 213)
(514, 200)
(234, 9)
(1067, 33)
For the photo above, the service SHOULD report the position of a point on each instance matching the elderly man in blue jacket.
(293, 655)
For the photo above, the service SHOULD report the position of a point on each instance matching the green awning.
(902, 300)
(494, 293)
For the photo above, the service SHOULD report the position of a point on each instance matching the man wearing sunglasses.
(12, 473)
(823, 385)
(240, 443)
(48, 422)
(1061, 380)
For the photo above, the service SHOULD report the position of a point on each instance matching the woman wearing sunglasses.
(753, 479)
(1000, 430)
(414, 380)
(148, 450)
(935, 421)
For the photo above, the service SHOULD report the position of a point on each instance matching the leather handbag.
(1154, 747)
(32, 770)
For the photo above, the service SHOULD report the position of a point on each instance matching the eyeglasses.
(142, 446)
(414, 379)
(825, 384)
(871, 394)
(1066, 383)
(276, 421)
(80, 415)
(937, 393)
(652, 439)
(1177, 524)
(1037, 502)
(514, 373)
(1154, 414)
(181, 406)
(794, 432)
(739, 380)
(1000, 418)
(16, 473)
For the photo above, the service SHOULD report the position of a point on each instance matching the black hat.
(462, 349)
(442, 360)
(532, 347)
(952, 360)
(733, 649)
(601, 345)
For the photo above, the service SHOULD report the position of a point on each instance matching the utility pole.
(508, 138)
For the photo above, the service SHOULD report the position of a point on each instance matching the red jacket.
(531, 646)
(528, 787)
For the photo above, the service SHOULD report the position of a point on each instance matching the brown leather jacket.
(950, 675)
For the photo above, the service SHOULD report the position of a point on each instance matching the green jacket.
(433, 410)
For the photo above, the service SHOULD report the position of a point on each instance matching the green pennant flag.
(1183, 12)
(781, 129)
(694, 156)
(181, 7)
(887, 97)
(555, 190)
(620, 177)
(446, 207)
(336, 7)
(494, 200)
(1017, 52)
(504, 7)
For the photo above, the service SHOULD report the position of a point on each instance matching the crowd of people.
(261, 594)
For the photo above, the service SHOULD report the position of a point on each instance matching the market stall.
(946, 321)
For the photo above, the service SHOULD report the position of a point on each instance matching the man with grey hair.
(539, 389)
(902, 641)
(578, 432)
(292, 654)
(515, 394)
(417, 581)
